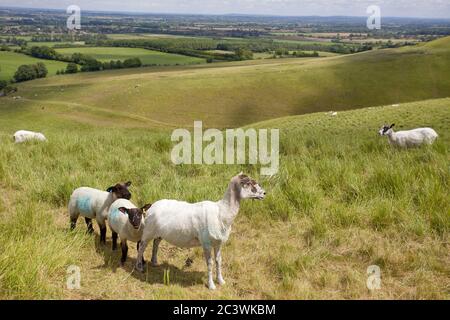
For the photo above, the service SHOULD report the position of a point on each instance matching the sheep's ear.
(123, 210)
(111, 189)
(128, 183)
(146, 207)
(393, 125)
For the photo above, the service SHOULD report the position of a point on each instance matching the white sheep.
(126, 221)
(206, 224)
(94, 204)
(24, 135)
(408, 139)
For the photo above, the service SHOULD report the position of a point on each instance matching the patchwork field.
(10, 61)
(148, 57)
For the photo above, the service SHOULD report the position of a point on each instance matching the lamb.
(127, 221)
(94, 204)
(408, 139)
(24, 135)
(206, 224)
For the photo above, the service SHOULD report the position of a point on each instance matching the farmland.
(148, 57)
(10, 61)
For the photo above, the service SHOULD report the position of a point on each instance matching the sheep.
(24, 135)
(408, 139)
(94, 204)
(206, 224)
(126, 221)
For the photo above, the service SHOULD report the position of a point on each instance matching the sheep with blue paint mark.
(92, 203)
(206, 224)
(410, 138)
(126, 221)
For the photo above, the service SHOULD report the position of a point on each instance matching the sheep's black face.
(121, 190)
(385, 130)
(135, 217)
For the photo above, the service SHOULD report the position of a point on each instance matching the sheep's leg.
(138, 245)
(114, 240)
(103, 234)
(140, 258)
(156, 243)
(209, 263)
(218, 254)
(124, 251)
(89, 225)
(73, 223)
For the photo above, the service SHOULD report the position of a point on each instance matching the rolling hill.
(343, 200)
(234, 94)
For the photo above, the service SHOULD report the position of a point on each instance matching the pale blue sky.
(399, 8)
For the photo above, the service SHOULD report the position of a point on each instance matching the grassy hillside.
(148, 57)
(231, 94)
(10, 61)
(342, 201)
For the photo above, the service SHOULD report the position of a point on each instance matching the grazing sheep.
(127, 221)
(94, 204)
(24, 135)
(206, 224)
(408, 139)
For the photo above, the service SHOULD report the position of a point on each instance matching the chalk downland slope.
(234, 94)
(343, 200)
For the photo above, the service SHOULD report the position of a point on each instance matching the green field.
(343, 199)
(10, 61)
(148, 57)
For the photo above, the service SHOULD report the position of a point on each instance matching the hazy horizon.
(439, 9)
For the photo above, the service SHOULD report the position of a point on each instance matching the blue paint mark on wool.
(84, 205)
(115, 216)
(204, 238)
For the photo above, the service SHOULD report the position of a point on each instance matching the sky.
(397, 8)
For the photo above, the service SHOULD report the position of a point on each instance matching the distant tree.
(25, 72)
(44, 52)
(71, 68)
(244, 54)
(3, 84)
(91, 64)
(132, 63)
(41, 70)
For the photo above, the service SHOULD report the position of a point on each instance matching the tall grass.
(342, 200)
